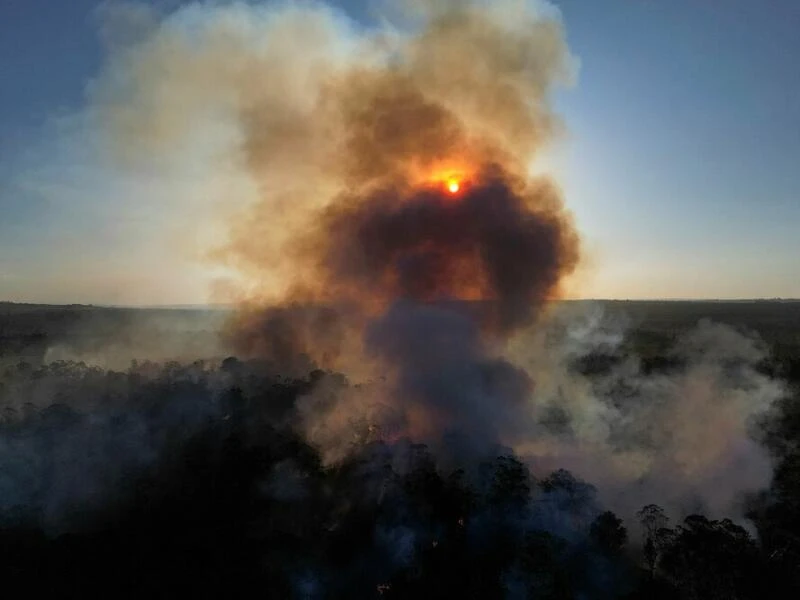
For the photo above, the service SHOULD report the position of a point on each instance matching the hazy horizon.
(233, 305)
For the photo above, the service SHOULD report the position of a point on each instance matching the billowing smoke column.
(422, 243)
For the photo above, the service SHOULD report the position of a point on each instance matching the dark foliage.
(171, 480)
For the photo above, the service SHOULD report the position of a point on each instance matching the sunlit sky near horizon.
(681, 164)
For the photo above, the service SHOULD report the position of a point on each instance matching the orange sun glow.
(453, 181)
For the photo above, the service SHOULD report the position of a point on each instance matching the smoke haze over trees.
(164, 478)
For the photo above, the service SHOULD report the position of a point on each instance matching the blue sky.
(681, 164)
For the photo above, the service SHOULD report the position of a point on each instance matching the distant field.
(113, 336)
(654, 324)
(773, 319)
(109, 336)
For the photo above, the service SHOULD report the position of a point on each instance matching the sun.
(449, 181)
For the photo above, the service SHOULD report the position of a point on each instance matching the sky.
(680, 162)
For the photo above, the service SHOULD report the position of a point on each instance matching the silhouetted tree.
(712, 559)
(608, 533)
(656, 534)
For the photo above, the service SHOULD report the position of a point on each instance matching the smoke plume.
(421, 243)
(357, 251)
(395, 233)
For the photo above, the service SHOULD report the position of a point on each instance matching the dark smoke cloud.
(444, 378)
(490, 244)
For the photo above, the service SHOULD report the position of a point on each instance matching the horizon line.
(222, 305)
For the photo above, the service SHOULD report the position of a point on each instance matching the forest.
(192, 477)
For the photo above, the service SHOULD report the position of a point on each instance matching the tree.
(608, 533)
(656, 534)
(712, 559)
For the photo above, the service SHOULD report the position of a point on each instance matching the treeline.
(176, 480)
